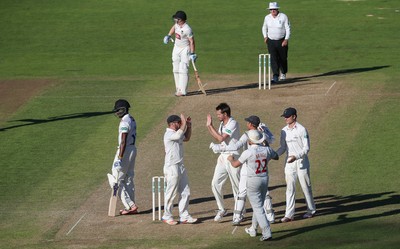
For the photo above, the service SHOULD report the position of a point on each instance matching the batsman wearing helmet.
(184, 50)
(124, 160)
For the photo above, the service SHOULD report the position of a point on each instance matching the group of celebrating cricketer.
(247, 171)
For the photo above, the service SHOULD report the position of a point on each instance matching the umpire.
(276, 32)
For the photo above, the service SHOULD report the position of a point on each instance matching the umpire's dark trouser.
(278, 56)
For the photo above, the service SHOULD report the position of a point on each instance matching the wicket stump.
(262, 70)
(156, 185)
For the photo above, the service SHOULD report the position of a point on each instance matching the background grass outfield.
(99, 51)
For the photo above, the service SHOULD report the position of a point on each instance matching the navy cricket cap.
(289, 112)
(173, 118)
(254, 120)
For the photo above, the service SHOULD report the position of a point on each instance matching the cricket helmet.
(121, 107)
(180, 15)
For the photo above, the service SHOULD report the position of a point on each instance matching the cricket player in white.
(256, 158)
(184, 50)
(124, 160)
(228, 133)
(295, 140)
(253, 123)
(179, 130)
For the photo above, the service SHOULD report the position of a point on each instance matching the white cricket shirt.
(182, 35)
(276, 28)
(295, 141)
(232, 129)
(256, 158)
(173, 144)
(127, 125)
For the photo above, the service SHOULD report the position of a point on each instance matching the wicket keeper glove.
(166, 39)
(193, 57)
(117, 165)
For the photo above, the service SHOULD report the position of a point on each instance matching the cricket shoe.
(180, 94)
(189, 220)
(220, 214)
(283, 77)
(170, 222)
(286, 219)
(251, 231)
(132, 210)
(236, 222)
(265, 238)
(308, 215)
(274, 80)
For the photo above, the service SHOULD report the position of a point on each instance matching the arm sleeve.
(244, 156)
(287, 28)
(273, 153)
(264, 28)
(177, 135)
(282, 147)
(306, 144)
(236, 146)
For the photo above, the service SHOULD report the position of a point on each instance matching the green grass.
(100, 51)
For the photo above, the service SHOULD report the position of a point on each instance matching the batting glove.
(166, 39)
(117, 165)
(193, 57)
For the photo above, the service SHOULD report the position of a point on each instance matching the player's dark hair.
(224, 108)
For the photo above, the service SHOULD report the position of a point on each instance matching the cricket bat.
(113, 201)
(196, 74)
(114, 195)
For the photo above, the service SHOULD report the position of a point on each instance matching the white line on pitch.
(330, 88)
(234, 230)
(72, 228)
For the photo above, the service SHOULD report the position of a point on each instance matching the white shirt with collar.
(295, 141)
(276, 28)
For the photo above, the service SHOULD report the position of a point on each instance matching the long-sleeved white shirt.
(173, 142)
(276, 28)
(295, 141)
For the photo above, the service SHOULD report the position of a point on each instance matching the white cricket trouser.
(239, 211)
(298, 169)
(180, 68)
(126, 190)
(223, 170)
(256, 190)
(177, 183)
(269, 211)
(240, 203)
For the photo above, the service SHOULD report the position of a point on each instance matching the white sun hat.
(255, 136)
(273, 5)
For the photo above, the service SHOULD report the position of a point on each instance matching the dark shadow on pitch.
(295, 80)
(331, 73)
(28, 122)
(342, 206)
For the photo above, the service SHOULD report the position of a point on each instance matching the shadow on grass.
(29, 122)
(342, 206)
(290, 80)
